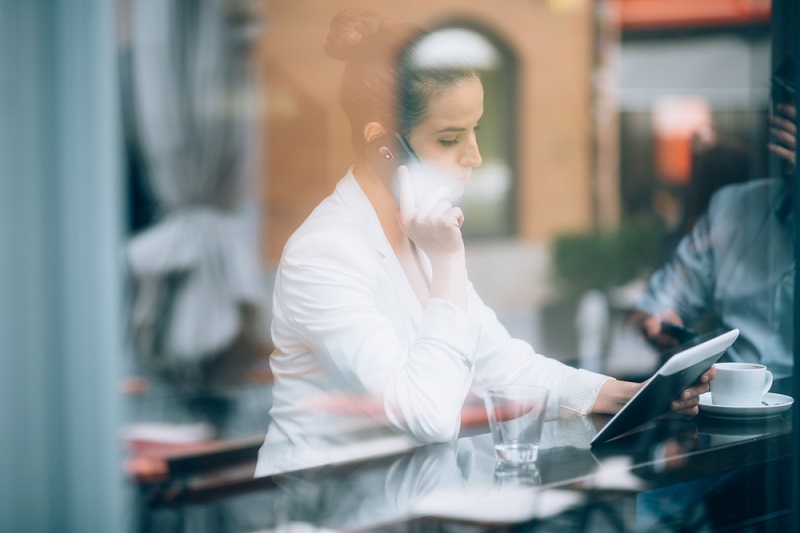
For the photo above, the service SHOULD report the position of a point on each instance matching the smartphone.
(782, 92)
(388, 152)
(679, 333)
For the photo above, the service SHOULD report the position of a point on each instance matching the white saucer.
(776, 404)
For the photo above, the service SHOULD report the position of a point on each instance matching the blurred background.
(157, 154)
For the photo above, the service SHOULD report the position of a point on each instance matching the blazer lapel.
(354, 197)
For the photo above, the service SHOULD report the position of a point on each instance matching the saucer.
(776, 404)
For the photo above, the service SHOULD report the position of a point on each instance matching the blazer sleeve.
(502, 359)
(327, 292)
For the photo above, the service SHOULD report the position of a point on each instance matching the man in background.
(738, 262)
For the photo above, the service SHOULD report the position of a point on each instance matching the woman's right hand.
(434, 226)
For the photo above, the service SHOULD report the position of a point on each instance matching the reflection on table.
(671, 471)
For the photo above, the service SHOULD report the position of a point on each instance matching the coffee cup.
(740, 384)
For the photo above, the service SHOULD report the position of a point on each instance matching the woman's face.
(445, 138)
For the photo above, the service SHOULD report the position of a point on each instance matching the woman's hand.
(690, 398)
(434, 226)
(614, 394)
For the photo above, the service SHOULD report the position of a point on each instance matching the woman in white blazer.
(374, 319)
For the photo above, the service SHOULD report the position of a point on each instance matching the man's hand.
(783, 136)
(653, 330)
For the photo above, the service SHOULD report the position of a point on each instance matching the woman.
(373, 314)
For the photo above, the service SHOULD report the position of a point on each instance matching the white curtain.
(197, 279)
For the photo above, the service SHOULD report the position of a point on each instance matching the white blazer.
(353, 345)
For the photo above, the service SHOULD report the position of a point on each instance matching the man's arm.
(682, 289)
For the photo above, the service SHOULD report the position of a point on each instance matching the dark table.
(671, 474)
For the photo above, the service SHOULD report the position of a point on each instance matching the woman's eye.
(448, 142)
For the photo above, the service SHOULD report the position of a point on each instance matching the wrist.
(449, 279)
(449, 259)
(613, 395)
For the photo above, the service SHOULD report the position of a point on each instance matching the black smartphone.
(781, 92)
(388, 152)
(680, 333)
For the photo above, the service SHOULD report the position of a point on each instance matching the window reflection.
(625, 175)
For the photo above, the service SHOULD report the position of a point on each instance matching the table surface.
(459, 481)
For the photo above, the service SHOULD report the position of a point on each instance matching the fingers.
(671, 316)
(686, 405)
(695, 391)
(787, 110)
(690, 398)
(708, 375)
(784, 111)
(457, 216)
(437, 207)
(652, 326)
(434, 226)
(783, 125)
(653, 330)
(782, 146)
(783, 133)
(436, 203)
(439, 210)
(782, 152)
(783, 139)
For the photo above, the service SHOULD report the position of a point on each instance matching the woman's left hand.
(690, 398)
(614, 394)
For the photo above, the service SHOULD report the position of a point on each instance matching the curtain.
(198, 287)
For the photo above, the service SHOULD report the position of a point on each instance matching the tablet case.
(675, 375)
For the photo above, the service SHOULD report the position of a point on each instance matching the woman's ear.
(373, 130)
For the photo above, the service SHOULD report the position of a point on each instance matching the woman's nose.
(471, 157)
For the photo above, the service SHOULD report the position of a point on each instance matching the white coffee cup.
(740, 384)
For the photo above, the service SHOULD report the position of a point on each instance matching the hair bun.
(348, 31)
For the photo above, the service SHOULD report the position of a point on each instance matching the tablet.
(676, 375)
